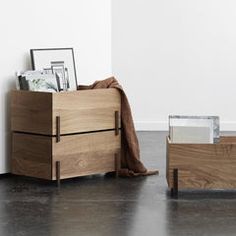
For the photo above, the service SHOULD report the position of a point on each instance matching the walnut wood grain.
(86, 110)
(203, 166)
(85, 154)
(79, 111)
(31, 155)
(31, 112)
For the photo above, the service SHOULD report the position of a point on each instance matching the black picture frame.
(39, 66)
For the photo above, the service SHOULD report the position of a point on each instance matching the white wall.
(172, 57)
(176, 57)
(84, 25)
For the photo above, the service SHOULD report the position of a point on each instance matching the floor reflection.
(94, 205)
(202, 213)
(24, 207)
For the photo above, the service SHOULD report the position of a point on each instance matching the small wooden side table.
(201, 166)
(62, 135)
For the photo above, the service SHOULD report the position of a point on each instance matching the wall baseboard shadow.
(5, 175)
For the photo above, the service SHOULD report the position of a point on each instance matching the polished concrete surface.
(105, 206)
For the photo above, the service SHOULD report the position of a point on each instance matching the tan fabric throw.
(130, 158)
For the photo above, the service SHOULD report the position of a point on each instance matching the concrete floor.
(104, 206)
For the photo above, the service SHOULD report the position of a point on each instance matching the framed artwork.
(59, 61)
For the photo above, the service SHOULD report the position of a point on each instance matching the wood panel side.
(167, 161)
(86, 154)
(31, 155)
(86, 110)
(31, 112)
(203, 166)
(228, 140)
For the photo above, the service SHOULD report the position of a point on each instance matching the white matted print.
(59, 61)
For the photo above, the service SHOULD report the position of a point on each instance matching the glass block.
(194, 129)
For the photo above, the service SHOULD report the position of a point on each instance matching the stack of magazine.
(194, 129)
(38, 80)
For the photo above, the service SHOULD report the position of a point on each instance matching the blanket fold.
(130, 157)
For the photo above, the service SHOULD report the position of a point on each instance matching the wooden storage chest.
(66, 134)
(202, 166)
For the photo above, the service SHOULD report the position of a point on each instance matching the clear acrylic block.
(194, 129)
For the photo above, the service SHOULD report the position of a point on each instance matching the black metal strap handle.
(58, 129)
(117, 121)
(58, 173)
(117, 163)
(175, 189)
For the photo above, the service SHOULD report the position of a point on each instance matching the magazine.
(37, 81)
